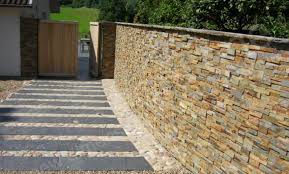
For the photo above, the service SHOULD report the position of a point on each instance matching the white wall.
(10, 62)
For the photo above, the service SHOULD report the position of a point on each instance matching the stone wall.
(218, 101)
(29, 47)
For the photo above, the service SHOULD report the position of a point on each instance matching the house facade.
(19, 34)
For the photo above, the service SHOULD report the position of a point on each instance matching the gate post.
(103, 37)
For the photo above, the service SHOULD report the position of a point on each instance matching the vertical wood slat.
(58, 48)
(94, 55)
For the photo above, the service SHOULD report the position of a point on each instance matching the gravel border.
(90, 172)
(7, 87)
(160, 159)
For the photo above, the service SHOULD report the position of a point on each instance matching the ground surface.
(103, 172)
(9, 86)
(83, 15)
(76, 125)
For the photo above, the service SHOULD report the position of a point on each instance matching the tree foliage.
(80, 3)
(112, 10)
(266, 17)
(227, 14)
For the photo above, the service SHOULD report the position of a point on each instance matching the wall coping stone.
(102, 22)
(280, 43)
(94, 23)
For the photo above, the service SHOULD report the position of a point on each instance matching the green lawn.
(82, 15)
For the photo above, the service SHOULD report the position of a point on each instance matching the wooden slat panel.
(94, 49)
(58, 48)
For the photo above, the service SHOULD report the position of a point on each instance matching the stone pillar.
(108, 37)
(29, 47)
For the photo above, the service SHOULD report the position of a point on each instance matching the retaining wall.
(218, 101)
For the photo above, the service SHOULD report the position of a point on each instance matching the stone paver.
(55, 103)
(46, 91)
(61, 131)
(69, 126)
(78, 120)
(80, 163)
(54, 110)
(56, 125)
(44, 145)
(63, 97)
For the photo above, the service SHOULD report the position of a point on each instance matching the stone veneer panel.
(29, 47)
(218, 101)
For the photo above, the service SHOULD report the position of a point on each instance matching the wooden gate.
(58, 49)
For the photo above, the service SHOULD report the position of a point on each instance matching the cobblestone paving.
(70, 125)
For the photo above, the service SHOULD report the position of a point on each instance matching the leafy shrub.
(236, 15)
(266, 17)
(278, 27)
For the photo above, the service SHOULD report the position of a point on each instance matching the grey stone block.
(57, 97)
(86, 146)
(54, 103)
(70, 164)
(78, 120)
(55, 111)
(60, 92)
(62, 131)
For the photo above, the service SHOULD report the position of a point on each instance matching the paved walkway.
(64, 125)
(76, 126)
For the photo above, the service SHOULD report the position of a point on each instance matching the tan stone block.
(237, 46)
(258, 159)
(260, 64)
(261, 90)
(258, 75)
(214, 46)
(227, 73)
(267, 49)
(254, 47)
(172, 46)
(226, 56)
(225, 45)
(210, 68)
(254, 120)
(245, 72)
(235, 80)
(254, 162)
(242, 157)
(256, 114)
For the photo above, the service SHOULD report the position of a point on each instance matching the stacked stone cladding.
(219, 102)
